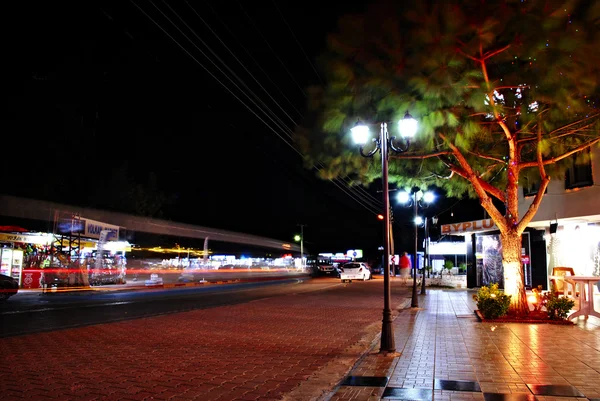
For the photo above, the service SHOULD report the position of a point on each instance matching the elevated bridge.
(25, 208)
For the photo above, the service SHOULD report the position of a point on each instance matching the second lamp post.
(416, 198)
(408, 128)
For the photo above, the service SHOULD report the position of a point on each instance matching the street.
(247, 343)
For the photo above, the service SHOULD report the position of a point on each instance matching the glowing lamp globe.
(360, 133)
(403, 197)
(408, 126)
(428, 197)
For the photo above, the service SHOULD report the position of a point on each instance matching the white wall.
(581, 204)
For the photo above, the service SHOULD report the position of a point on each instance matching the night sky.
(107, 111)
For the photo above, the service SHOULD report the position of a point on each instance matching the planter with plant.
(448, 265)
(491, 302)
(547, 308)
(558, 308)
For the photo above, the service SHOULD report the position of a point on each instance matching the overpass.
(25, 208)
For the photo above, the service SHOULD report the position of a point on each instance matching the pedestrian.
(405, 265)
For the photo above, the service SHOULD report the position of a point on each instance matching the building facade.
(569, 218)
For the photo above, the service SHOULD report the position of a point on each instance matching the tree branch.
(561, 157)
(595, 115)
(533, 208)
(468, 55)
(417, 156)
(493, 53)
(487, 157)
(482, 188)
(490, 168)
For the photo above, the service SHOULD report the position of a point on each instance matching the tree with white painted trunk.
(506, 92)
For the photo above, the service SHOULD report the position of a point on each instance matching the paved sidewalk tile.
(445, 353)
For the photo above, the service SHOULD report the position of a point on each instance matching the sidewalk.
(444, 353)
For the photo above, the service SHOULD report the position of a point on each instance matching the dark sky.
(102, 100)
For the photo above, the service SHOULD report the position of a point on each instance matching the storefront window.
(580, 172)
(489, 260)
(576, 246)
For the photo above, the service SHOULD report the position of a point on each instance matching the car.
(8, 287)
(327, 269)
(355, 271)
(377, 269)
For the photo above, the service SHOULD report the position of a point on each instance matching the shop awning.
(13, 229)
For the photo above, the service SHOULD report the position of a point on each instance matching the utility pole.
(302, 243)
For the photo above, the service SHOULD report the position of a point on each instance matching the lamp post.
(418, 199)
(301, 239)
(360, 132)
(426, 251)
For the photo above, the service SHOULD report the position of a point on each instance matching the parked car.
(355, 271)
(377, 269)
(327, 270)
(8, 287)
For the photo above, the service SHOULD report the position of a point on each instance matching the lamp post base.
(415, 300)
(387, 333)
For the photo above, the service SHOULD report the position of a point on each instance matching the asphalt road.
(31, 312)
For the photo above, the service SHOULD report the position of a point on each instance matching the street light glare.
(297, 238)
(408, 126)
(418, 220)
(360, 133)
(403, 197)
(428, 197)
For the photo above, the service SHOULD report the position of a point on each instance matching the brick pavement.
(261, 350)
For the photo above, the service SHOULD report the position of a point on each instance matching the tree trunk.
(514, 278)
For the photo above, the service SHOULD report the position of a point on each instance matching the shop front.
(68, 259)
(484, 253)
(574, 244)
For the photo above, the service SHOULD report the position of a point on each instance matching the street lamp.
(360, 133)
(418, 199)
(301, 239)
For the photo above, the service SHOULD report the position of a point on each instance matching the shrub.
(491, 302)
(558, 307)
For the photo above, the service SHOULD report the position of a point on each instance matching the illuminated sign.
(43, 239)
(354, 253)
(469, 227)
(94, 228)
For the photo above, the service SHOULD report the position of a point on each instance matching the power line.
(269, 45)
(234, 56)
(254, 60)
(212, 75)
(364, 201)
(297, 42)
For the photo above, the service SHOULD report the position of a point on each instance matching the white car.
(355, 271)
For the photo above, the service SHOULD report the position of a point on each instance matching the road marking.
(66, 307)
